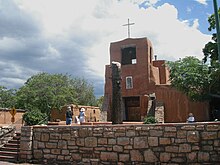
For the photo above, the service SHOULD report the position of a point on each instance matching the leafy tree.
(34, 117)
(46, 91)
(7, 97)
(99, 102)
(190, 76)
(150, 120)
(211, 50)
(84, 91)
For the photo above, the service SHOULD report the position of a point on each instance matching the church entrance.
(132, 110)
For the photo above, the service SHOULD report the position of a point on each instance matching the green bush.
(34, 117)
(150, 120)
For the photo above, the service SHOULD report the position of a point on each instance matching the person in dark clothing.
(69, 115)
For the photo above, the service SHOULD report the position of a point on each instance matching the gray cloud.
(24, 51)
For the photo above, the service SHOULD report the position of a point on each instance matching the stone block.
(55, 136)
(140, 142)
(76, 156)
(170, 129)
(55, 151)
(50, 156)
(170, 134)
(164, 141)
(109, 134)
(193, 136)
(66, 136)
(51, 145)
(44, 137)
(192, 157)
(173, 149)
(38, 154)
(156, 133)
(153, 141)
(181, 134)
(130, 133)
(90, 142)
(209, 135)
(62, 144)
(41, 145)
(203, 157)
(136, 155)
(188, 127)
(117, 148)
(123, 141)
(165, 157)
(102, 141)
(184, 148)
(83, 132)
(111, 141)
(109, 156)
(80, 142)
(149, 156)
(71, 142)
(213, 127)
(124, 157)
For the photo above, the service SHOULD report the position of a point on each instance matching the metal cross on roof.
(128, 24)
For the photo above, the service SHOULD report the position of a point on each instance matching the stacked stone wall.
(197, 143)
(6, 134)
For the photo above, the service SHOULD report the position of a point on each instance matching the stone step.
(9, 153)
(9, 149)
(12, 145)
(8, 158)
(14, 141)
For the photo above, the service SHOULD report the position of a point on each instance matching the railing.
(42, 121)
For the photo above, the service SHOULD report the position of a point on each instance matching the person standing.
(82, 115)
(69, 115)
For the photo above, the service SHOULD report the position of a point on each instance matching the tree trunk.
(116, 94)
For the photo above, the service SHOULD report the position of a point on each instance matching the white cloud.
(204, 2)
(80, 34)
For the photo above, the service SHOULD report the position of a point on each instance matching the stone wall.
(182, 143)
(6, 134)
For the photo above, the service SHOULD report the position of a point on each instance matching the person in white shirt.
(82, 115)
(191, 118)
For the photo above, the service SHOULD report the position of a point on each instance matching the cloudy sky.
(73, 36)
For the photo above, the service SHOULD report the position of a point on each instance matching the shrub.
(150, 120)
(34, 117)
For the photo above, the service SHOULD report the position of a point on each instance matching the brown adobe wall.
(197, 143)
(178, 106)
(5, 116)
(92, 113)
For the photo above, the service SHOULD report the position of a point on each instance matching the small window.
(129, 82)
(128, 55)
(93, 111)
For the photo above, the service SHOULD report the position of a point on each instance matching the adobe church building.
(145, 87)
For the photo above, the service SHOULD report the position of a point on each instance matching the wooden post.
(116, 93)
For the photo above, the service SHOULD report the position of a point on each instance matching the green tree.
(46, 91)
(34, 117)
(99, 102)
(190, 76)
(210, 50)
(7, 97)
